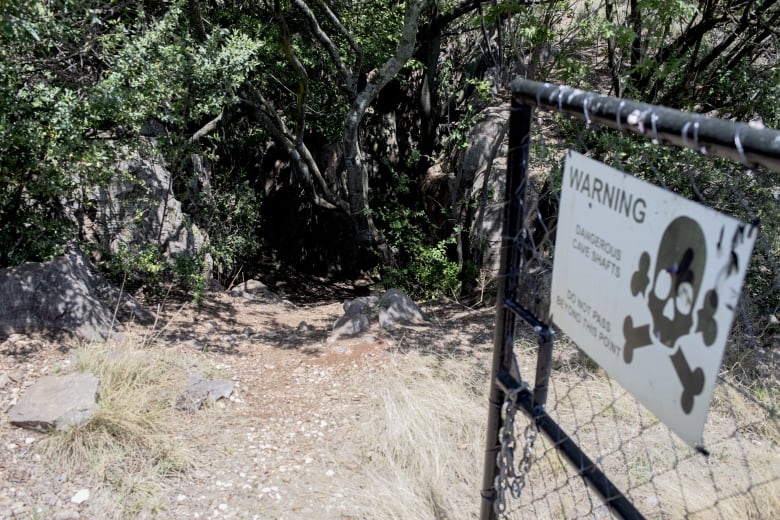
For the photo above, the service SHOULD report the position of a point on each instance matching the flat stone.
(57, 402)
(201, 390)
(255, 290)
(360, 305)
(82, 495)
(251, 286)
(66, 514)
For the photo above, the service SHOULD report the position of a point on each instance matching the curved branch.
(356, 48)
(326, 42)
(299, 153)
(207, 128)
(300, 70)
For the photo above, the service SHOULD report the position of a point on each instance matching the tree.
(355, 201)
(262, 90)
(49, 123)
(708, 55)
(356, 171)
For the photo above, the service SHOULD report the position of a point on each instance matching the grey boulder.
(395, 307)
(201, 390)
(57, 402)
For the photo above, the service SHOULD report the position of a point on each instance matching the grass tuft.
(426, 442)
(129, 446)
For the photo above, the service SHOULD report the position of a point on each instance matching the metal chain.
(508, 478)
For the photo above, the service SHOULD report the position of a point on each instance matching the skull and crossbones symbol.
(672, 301)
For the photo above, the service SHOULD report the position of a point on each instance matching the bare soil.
(285, 445)
(296, 440)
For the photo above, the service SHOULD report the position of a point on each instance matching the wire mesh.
(661, 475)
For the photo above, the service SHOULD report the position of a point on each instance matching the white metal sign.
(646, 283)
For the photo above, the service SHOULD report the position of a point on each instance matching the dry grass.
(425, 442)
(130, 447)
(660, 475)
(421, 443)
(424, 448)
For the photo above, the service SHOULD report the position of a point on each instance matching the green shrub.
(146, 267)
(423, 265)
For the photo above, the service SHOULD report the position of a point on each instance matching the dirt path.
(283, 450)
(286, 445)
(386, 425)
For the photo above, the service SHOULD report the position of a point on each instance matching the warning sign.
(646, 283)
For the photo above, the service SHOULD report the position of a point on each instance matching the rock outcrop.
(391, 308)
(480, 181)
(66, 294)
(142, 187)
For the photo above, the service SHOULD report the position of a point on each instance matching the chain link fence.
(583, 446)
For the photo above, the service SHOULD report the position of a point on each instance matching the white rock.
(82, 495)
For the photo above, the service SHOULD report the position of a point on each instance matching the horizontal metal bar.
(526, 315)
(707, 135)
(612, 496)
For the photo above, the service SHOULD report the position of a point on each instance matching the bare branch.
(300, 70)
(299, 153)
(352, 79)
(327, 43)
(207, 128)
(341, 29)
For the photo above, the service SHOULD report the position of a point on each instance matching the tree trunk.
(635, 20)
(429, 99)
(612, 59)
(357, 174)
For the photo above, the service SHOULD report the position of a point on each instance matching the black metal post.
(543, 367)
(503, 356)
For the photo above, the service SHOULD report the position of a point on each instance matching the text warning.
(645, 282)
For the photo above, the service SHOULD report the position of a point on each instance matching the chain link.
(508, 478)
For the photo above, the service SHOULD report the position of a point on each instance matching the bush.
(146, 267)
(423, 268)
